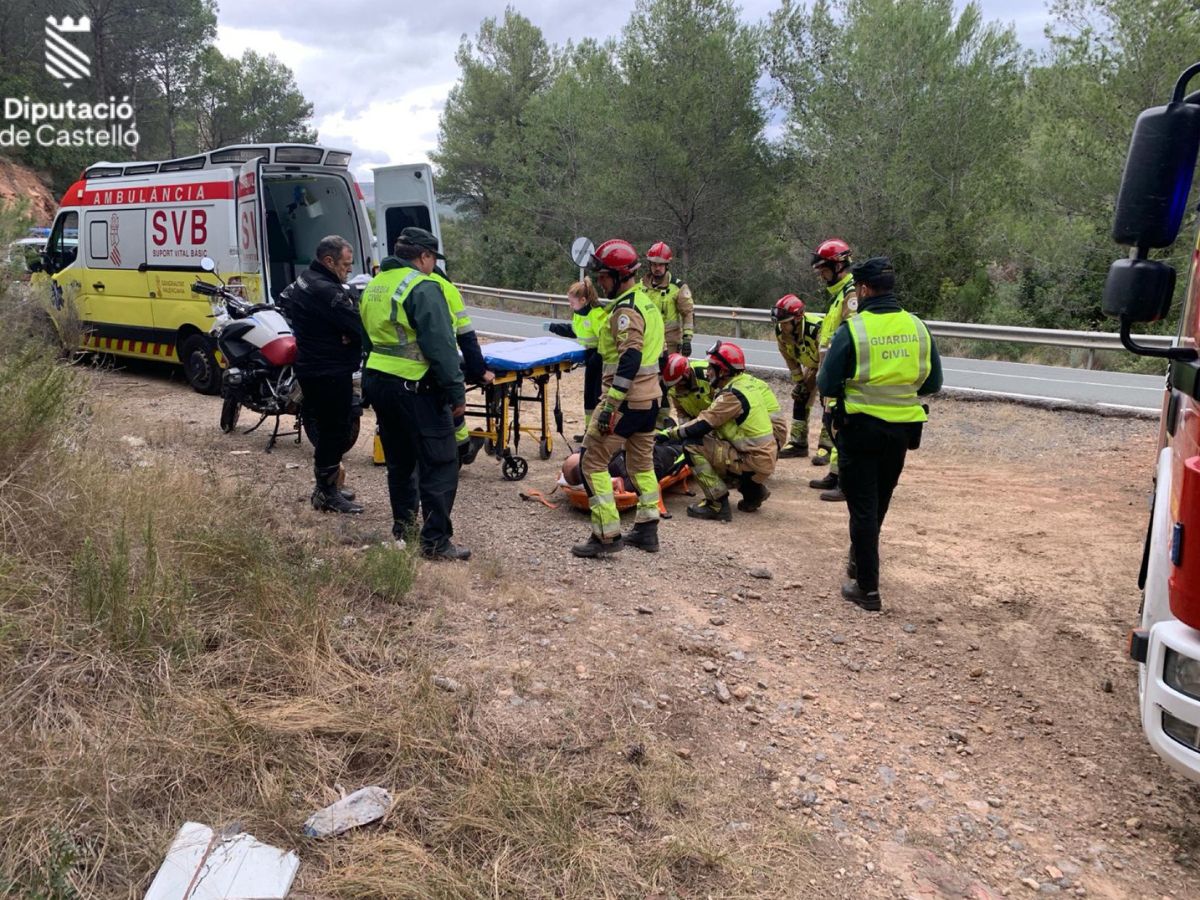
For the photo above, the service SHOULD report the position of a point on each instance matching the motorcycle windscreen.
(251, 227)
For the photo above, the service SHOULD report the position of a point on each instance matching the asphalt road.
(1111, 390)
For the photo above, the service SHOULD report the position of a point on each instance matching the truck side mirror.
(1158, 176)
(1138, 290)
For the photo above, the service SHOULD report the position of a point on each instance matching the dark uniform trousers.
(417, 434)
(593, 379)
(871, 453)
(328, 404)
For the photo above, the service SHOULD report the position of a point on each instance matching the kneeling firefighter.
(735, 436)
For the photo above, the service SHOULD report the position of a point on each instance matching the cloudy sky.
(378, 83)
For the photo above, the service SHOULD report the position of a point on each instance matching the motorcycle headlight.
(233, 376)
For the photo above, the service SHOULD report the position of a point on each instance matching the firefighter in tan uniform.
(797, 334)
(831, 263)
(673, 299)
(630, 343)
(734, 436)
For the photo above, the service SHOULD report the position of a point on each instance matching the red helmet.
(659, 253)
(615, 256)
(834, 250)
(787, 307)
(675, 368)
(727, 357)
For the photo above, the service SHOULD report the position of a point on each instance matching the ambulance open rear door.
(252, 232)
(403, 196)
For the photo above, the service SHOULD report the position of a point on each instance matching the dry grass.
(169, 651)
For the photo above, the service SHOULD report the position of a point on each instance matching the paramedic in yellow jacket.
(797, 333)
(630, 344)
(587, 318)
(831, 262)
(734, 436)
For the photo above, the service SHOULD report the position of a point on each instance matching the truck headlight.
(1182, 673)
(1188, 735)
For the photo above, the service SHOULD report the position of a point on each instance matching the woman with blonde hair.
(586, 321)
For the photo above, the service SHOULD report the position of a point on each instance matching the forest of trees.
(188, 97)
(986, 170)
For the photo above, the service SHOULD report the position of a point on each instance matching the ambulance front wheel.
(514, 468)
(200, 364)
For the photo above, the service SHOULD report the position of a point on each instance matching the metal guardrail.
(1055, 337)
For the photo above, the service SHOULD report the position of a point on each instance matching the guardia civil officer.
(328, 352)
(414, 381)
(880, 364)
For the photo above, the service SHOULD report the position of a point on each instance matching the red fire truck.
(1149, 213)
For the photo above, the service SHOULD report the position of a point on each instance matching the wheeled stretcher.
(523, 371)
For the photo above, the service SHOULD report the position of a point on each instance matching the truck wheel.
(200, 365)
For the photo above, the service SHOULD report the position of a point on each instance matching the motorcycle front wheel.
(230, 408)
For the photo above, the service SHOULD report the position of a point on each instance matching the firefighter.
(673, 299)
(831, 262)
(798, 335)
(881, 362)
(734, 436)
(630, 344)
(687, 385)
(587, 317)
(414, 381)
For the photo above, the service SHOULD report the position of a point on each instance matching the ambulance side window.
(63, 245)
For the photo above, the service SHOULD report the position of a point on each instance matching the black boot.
(792, 450)
(868, 600)
(828, 483)
(594, 547)
(644, 536)
(753, 494)
(468, 451)
(326, 496)
(717, 511)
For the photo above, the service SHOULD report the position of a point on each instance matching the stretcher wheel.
(514, 468)
(544, 448)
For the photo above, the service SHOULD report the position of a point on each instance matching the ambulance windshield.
(301, 209)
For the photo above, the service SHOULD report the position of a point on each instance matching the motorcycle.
(258, 349)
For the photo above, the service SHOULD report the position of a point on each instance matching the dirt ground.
(977, 738)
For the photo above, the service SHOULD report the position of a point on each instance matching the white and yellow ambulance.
(128, 239)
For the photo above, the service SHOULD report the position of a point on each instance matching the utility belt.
(425, 386)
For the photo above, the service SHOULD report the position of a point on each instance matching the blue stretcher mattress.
(515, 356)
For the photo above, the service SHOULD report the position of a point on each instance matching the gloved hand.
(662, 436)
(799, 391)
(545, 326)
(604, 419)
(686, 348)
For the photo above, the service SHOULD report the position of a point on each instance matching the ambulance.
(128, 240)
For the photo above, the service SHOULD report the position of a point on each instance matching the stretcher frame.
(500, 410)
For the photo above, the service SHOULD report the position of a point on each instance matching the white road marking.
(1105, 384)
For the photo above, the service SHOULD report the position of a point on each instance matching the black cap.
(876, 271)
(419, 237)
